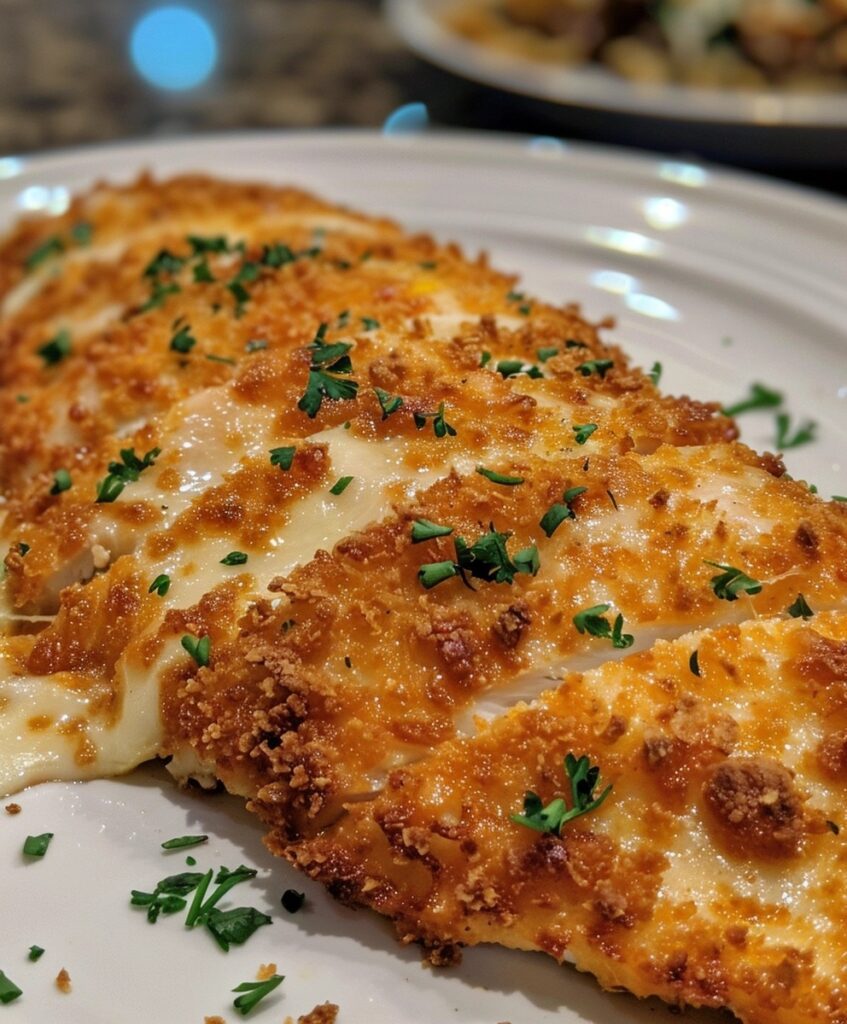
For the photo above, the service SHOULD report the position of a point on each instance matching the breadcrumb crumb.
(265, 971)
(63, 981)
(13, 808)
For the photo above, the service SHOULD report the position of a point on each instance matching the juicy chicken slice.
(711, 875)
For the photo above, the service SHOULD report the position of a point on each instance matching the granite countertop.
(66, 77)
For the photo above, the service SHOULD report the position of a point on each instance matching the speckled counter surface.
(66, 77)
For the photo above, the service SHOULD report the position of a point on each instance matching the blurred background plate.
(754, 127)
(722, 278)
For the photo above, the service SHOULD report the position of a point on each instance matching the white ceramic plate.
(420, 25)
(723, 279)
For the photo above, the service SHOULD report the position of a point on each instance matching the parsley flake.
(803, 435)
(424, 529)
(81, 232)
(55, 350)
(499, 478)
(388, 403)
(369, 324)
(582, 431)
(234, 927)
(199, 649)
(655, 373)
(440, 426)
(433, 573)
(183, 341)
(599, 366)
(546, 353)
(800, 609)
(52, 246)
(160, 585)
(254, 992)
(283, 457)
(593, 621)
(35, 953)
(513, 367)
(559, 512)
(9, 991)
(36, 846)
(234, 558)
(124, 472)
(731, 582)
(759, 397)
(583, 778)
(181, 842)
(327, 361)
(61, 481)
(486, 559)
(341, 485)
(256, 345)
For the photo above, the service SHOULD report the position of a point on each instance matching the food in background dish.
(799, 44)
(309, 506)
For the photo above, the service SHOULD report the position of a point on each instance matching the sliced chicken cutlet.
(188, 369)
(710, 874)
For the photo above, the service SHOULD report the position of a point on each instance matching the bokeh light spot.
(409, 119)
(174, 48)
(547, 145)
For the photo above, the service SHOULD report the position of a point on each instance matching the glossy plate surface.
(419, 23)
(723, 279)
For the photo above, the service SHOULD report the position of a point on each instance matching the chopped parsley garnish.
(424, 529)
(428, 264)
(51, 246)
(513, 367)
(800, 609)
(484, 358)
(838, 497)
(731, 582)
(9, 991)
(599, 366)
(486, 559)
(292, 901)
(343, 318)
(183, 341)
(55, 350)
(369, 324)
(694, 663)
(160, 585)
(190, 861)
(181, 842)
(198, 648)
(212, 243)
(201, 908)
(22, 399)
(582, 431)
(655, 373)
(234, 558)
(164, 262)
(573, 343)
(23, 548)
(559, 512)
(283, 457)
(499, 478)
(81, 232)
(433, 573)
(254, 992)
(255, 345)
(760, 397)
(36, 846)
(583, 777)
(168, 896)
(35, 953)
(594, 622)
(158, 295)
(247, 273)
(124, 472)
(388, 403)
(514, 296)
(61, 481)
(221, 359)
(327, 361)
(546, 353)
(803, 435)
(440, 426)
(276, 255)
(341, 485)
(234, 927)
(203, 273)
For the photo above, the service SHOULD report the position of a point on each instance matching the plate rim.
(595, 88)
